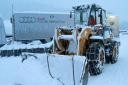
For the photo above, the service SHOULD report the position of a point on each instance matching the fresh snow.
(35, 71)
(18, 45)
(114, 74)
(97, 37)
(66, 37)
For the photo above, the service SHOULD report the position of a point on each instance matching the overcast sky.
(117, 7)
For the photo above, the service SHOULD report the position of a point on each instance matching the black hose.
(49, 67)
(50, 71)
(73, 70)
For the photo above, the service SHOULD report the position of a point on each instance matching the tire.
(115, 54)
(85, 77)
(96, 65)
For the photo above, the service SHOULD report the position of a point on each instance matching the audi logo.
(31, 20)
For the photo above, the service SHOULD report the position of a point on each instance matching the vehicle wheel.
(96, 65)
(85, 77)
(115, 54)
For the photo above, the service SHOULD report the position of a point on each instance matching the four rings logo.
(31, 20)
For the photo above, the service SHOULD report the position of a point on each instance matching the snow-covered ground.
(114, 74)
(35, 71)
(14, 72)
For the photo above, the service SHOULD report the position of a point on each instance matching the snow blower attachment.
(91, 37)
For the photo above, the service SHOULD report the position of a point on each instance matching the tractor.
(93, 36)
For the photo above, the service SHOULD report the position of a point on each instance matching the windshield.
(81, 17)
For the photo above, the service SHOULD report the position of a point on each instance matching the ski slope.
(35, 71)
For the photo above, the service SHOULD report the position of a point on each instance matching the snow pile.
(31, 72)
(18, 45)
(36, 72)
(66, 37)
